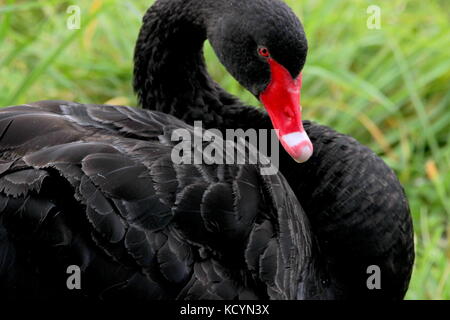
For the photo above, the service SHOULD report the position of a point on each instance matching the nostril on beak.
(288, 114)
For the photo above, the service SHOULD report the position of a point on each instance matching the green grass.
(389, 88)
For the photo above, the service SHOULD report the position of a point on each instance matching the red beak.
(282, 102)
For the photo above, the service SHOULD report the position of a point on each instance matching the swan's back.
(94, 186)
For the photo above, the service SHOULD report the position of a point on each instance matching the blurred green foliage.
(387, 87)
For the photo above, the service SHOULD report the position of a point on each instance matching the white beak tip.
(305, 154)
(298, 145)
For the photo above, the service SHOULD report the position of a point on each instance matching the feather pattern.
(150, 227)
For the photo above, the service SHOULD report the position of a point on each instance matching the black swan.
(93, 187)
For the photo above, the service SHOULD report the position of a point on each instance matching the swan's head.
(263, 45)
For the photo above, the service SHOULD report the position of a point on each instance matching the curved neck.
(170, 74)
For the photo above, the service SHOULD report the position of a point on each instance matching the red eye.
(263, 52)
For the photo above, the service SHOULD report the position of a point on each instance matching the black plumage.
(95, 186)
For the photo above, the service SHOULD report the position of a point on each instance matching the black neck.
(170, 72)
